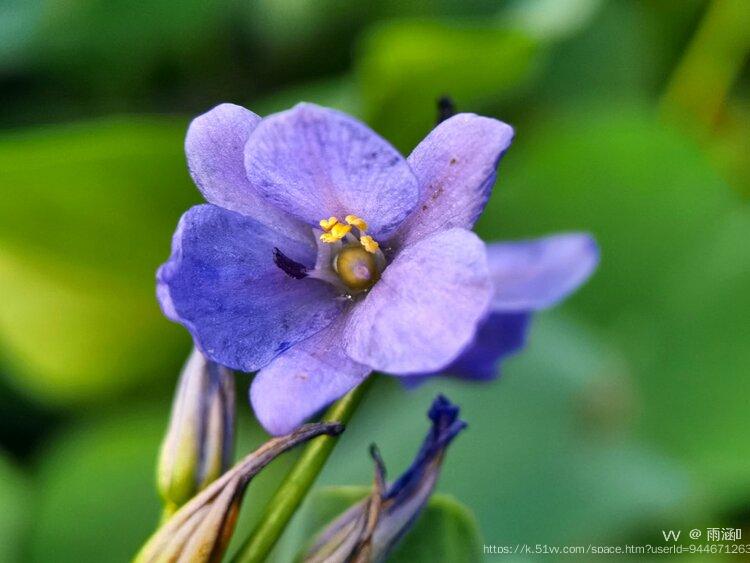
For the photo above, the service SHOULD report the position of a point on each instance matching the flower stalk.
(698, 89)
(297, 483)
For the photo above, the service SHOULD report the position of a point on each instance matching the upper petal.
(425, 308)
(215, 149)
(304, 379)
(456, 166)
(222, 284)
(316, 162)
(531, 275)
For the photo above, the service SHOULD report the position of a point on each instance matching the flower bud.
(200, 531)
(199, 442)
(368, 530)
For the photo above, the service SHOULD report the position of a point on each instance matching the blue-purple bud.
(370, 529)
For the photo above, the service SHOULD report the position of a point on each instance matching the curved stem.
(297, 483)
(701, 82)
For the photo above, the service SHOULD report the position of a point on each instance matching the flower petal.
(500, 335)
(425, 308)
(536, 274)
(456, 166)
(222, 284)
(303, 380)
(215, 149)
(315, 162)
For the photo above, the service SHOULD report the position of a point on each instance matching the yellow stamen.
(327, 225)
(337, 232)
(370, 244)
(355, 221)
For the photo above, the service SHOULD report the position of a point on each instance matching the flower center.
(353, 255)
(348, 258)
(356, 267)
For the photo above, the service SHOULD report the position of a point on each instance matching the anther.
(337, 232)
(370, 244)
(328, 224)
(355, 221)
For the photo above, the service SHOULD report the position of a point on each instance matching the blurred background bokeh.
(628, 414)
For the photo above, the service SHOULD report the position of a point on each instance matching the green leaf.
(96, 497)
(729, 144)
(405, 66)
(340, 93)
(695, 384)
(87, 217)
(445, 531)
(18, 21)
(15, 514)
(553, 19)
(644, 191)
(96, 485)
(670, 286)
(118, 47)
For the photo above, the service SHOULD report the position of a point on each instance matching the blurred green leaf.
(670, 289)
(293, 25)
(445, 531)
(603, 62)
(729, 146)
(96, 495)
(552, 19)
(15, 513)
(95, 488)
(403, 67)
(645, 192)
(695, 374)
(87, 216)
(18, 22)
(116, 45)
(340, 93)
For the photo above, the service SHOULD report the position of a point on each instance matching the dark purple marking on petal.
(288, 266)
(222, 284)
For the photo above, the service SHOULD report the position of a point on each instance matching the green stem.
(702, 80)
(291, 493)
(168, 511)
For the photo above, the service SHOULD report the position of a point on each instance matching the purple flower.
(323, 255)
(371, 528)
